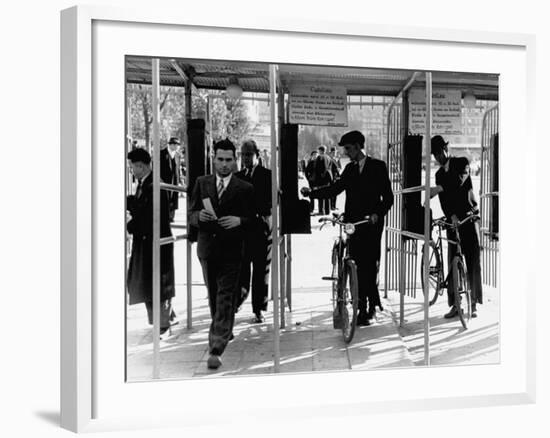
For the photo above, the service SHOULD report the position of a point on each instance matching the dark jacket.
(455, 199)
(261, 181)
(170, 174)
(236, 200)
(366, 193)
(140, 270)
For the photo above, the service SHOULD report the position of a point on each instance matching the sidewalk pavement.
(309, 343)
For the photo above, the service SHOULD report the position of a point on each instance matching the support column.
(427, 224)
(156, 217)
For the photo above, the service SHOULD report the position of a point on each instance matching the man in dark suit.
(140, 270)
(310, 176)
(368, 193)
(336, 167)
(323, 176)
(456, 196)
(222, 208)
(170, 172)
(258, 244)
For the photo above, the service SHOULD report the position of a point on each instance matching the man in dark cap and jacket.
(456, 196)
(368, 193)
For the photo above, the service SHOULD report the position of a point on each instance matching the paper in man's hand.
(208, 207)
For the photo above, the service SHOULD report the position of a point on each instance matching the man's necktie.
(221, 188)
(248, 174)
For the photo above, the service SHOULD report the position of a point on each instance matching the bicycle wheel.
(435, 272)
(461, 291)
(350, 300)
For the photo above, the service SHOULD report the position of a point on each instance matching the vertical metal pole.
(274, 215)
(389, 222)
(188, 244)
(289, 272)
(283, 261)
(427, 163)
(156, 217)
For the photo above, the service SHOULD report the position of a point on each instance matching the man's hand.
(373, 218)
(228, 222)
(454, 220)
(305, 191)
(206, 216)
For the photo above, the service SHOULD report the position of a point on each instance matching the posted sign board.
(446, 111)
(315, 104)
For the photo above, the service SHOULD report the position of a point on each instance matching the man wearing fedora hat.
(368, 193)
(456, 196)
(170, 171)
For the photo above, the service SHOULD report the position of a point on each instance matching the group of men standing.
(321, 169)
(232, 212)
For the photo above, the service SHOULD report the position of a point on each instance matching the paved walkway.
(308, 342)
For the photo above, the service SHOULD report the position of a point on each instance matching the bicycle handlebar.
(441, 221)
(337, 220)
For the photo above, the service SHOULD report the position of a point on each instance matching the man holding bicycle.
(368, 193)
(456, 196)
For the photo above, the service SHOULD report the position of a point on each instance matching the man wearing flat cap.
(456, 196)
(368, 193)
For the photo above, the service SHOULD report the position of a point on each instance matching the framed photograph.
(332, 74)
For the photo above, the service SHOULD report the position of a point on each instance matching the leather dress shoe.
(165, 333)
(452, 313)
(371, 313)
(362, 319)
(213, 362)
(474, 312)
(258, 318)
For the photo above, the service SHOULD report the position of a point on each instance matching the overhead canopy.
(254, 77)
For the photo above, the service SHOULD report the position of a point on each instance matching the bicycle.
(345, 295)
(457, 271)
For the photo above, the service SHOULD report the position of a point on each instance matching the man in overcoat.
(222, 208)
(140, 226)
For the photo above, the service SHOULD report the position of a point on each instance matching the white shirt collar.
(251, 170)
(361, 164)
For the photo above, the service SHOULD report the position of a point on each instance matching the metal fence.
(489, 197)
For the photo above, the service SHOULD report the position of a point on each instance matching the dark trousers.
(222, 281)
(324, 206)
(256, 264)
(166, 312)
(469, 240)
(365, 251)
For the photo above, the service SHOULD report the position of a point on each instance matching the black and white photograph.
(295, 218)
(284, 219)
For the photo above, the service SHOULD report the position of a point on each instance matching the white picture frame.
(90, 401)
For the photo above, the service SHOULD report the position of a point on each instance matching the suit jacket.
(367, 192)
(323, 170)
(454, 199)
(236, 200)
(169, 174)
(261, 181)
